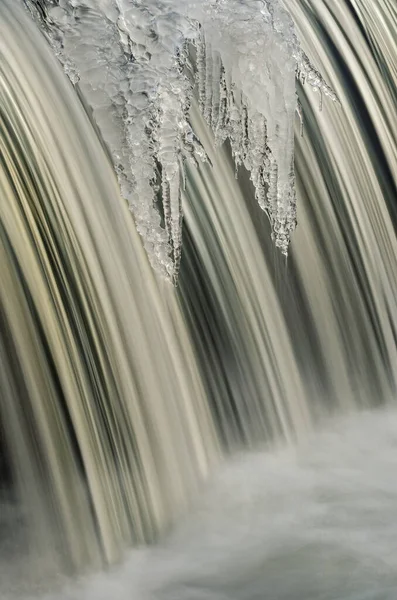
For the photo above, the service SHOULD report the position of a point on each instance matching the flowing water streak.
(346, 163)
(262, 395)
(317, 334)
(102, 405)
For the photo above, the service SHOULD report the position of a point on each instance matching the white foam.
(318, 521)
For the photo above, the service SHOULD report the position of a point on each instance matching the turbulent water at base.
(317, 521)
(120, 395)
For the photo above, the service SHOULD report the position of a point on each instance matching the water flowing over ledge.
(133, 63)
(95, 357)
(114, 413)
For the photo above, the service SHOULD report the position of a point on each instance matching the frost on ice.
(134, 60)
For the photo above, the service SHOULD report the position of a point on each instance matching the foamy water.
(316, 522)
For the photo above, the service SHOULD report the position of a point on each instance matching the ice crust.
(137, 62)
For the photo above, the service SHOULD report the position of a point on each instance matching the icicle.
(306, 72)
(299, 110)
(207, 112)
(216, 78)
(201, 69)
(166, 198)
(221, 126)
(235, 128)
(257, 160)
(182, 171)
(176, 222)
(132, 61)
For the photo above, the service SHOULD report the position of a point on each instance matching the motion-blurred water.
(315, 521)
(132, 413)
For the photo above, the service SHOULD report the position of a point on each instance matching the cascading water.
(95, 359)
(119, 393)
(346, 166)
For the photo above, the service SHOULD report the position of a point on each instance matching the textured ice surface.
(132, 61)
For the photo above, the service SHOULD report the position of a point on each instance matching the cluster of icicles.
(137, 62)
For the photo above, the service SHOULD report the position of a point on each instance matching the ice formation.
(137, 62)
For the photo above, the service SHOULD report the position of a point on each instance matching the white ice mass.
(137, 63)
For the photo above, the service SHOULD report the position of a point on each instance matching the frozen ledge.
(134, 63)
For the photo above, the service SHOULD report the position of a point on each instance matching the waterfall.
(103, 411)
(346, 165)
(265, 394)
(215, 438)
